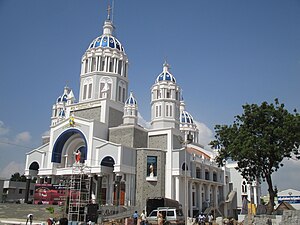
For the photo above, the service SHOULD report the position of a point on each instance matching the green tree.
(259, 140)
(17, 177)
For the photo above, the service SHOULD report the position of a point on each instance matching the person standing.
(210, 219)
(201, 219)
(135, 217)
(29, 219)
(160, 219)
(143, 218)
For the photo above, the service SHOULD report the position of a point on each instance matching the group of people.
(142, 217)
(202, 218)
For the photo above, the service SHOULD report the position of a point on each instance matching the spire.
(166, 66)
(108, 25)
(108, 12)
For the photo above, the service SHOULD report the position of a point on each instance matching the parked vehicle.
(154, 203)
(171, 216)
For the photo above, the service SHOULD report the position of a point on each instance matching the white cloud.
(143, 122)
(23, 137)
(46, 133)
(205, 134)
(3, 129)
(286, 177)
(11, 168)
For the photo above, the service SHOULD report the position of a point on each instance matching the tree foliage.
(17, 177)
(259, 140)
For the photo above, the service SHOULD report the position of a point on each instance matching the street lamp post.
(188, 139)
(185, 184)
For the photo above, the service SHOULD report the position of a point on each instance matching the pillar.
(177, 191)
(200, 197)
(28, 180)
(118, 188)
(91, 187)
(99, 189)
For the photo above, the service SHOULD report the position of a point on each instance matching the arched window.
(86, 66)
(169, 110)
(215, 176)
(184, 167)
(244, 187)
(207, 175)
(87, 89)
(198, 172)
(122, 92)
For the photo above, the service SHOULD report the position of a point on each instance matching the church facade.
(125, 163)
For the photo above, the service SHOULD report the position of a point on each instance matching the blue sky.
(223, 54)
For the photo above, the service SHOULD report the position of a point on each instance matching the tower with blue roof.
(165, 100)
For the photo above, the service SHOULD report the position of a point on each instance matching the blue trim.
(60, 142)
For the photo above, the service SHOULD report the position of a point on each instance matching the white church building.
(124, 162)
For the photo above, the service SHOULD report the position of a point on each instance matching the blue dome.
(186, 118)
(165, 75)
(106, 41)
(131, 100)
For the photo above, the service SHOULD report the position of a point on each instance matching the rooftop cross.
(108, 12)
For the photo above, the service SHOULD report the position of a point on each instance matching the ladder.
(79, 192)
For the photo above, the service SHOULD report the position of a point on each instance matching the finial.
(108, 12)
(166, 66)
(67, 82)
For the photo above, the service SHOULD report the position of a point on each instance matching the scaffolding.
(79, 192)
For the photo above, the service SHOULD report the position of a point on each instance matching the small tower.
(130, 111)
(187, 125)
(60, 110)
(165, 100)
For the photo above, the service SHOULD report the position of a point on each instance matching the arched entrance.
(110, 182)
(33, 172)
(66, 145)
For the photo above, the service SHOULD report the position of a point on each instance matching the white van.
(171, 216)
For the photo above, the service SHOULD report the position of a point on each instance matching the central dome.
(165, 75)
(107, 40)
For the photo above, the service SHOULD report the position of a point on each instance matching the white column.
(105, 64)
(90, 64)
(97, 63)
(216, 197)
(255, 193)
(115, 65)
(200, 196)
(177, 193)
(43, 160)
(249, 192)
(207, 194)
(190, 199)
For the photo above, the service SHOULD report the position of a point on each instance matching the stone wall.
(290, 217)
(149, 188)
(115, 117)
(158, 141)
(90, 113)
(130, 136)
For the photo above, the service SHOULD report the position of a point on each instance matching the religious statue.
(151, 169)
(77, 156)
(72, 121)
